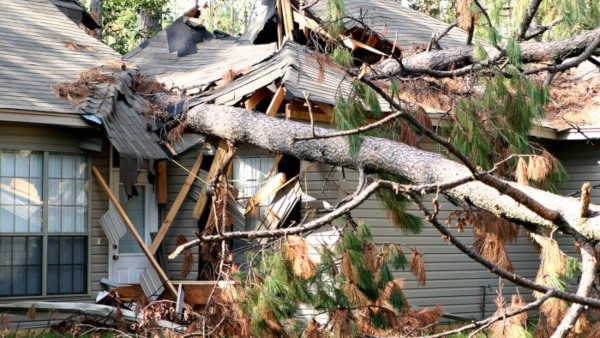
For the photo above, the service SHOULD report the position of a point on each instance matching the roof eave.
(37, 117)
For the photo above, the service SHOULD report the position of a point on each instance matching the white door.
(127, 260)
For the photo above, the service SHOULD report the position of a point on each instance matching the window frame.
(45, 234)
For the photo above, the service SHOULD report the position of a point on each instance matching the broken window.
(43, 223)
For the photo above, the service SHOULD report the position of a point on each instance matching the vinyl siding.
(184, 223)
(453, 279)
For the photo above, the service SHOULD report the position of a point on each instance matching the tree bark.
(381, 155)
(96, 10)
(554, 51)
(148, 24)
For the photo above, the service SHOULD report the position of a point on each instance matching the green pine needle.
(397, 258)
(364, 232)
(342, 57)
(515, 54)
(397, 300)
(378, 320)
(385, 276)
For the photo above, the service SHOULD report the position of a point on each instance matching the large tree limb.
(460, 56)
(588, 275)
(381, 155)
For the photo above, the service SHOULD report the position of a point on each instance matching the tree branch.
(589, 264)
(491, 320)
(510, 276)
(381, 155)
(360, 197)
(574, 62)
(529, 15)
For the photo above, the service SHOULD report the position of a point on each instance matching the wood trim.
(185, 188)
(162, 196)
(279, 24)
(133, 231)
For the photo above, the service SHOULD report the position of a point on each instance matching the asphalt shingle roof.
(34, 57)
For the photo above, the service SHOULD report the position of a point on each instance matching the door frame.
(150, 217)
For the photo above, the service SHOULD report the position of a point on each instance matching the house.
(287, 82)
(54, 134)
(60, 233)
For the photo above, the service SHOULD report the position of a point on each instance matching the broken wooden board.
(276, 101)
(256, 98)
(216, 164)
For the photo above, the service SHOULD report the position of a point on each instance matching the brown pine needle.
(538, 169)
(424, 118)
(296, 251)
(521, 172)
(417, 267)
(188, 257)
(356, 297)
(32, 312)
(312, 329)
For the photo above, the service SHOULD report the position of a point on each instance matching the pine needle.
(424, 118)
(188, 257)
(491, 248)
(407, 135)
(346, 268)
(514, 326)
(32, 312)
(539, 168)
(312, 329)
(357, 297)
(521, 172)
(554, 310)
(341, 323)
(417, 267)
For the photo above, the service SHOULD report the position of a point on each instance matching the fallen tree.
(381, 155)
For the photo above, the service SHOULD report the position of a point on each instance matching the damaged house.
(94, 195)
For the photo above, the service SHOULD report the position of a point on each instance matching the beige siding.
(184, 223)
(99, 268)
(453, 279)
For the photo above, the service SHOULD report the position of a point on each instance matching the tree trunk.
(149, 23)
(554, 51)
(381, 155)
(96, 11)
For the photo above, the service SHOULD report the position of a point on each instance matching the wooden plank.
(276, 101)
(279, 24)
(297, 111)
(185, 188)
(133, 231)
(203, 198)
(162, 194)
(312, 24)
(288, 19)
(256, 98)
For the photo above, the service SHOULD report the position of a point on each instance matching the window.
(43, 223)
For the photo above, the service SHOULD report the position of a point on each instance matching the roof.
(213, 59)
(37, 52)
(299, 70)
(575, 98)
(122, 112)
(413, 27)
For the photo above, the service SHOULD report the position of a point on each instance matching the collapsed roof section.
(216, 58)
(111, 96)
(296, 68)
(405, 26)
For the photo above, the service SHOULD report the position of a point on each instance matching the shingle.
(33, 56)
